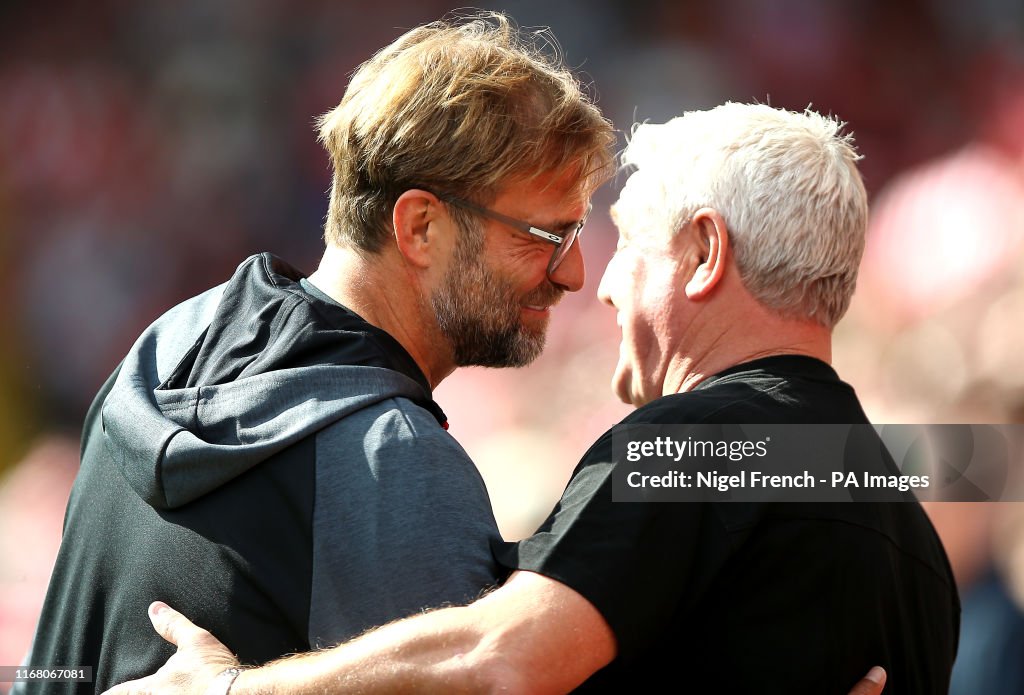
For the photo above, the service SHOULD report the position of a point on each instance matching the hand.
(871, 684)
(200, 657)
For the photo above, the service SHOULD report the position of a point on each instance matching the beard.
(479, 313)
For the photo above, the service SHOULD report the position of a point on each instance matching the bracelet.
(222, 682)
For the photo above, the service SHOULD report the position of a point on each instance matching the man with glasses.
(268, 456)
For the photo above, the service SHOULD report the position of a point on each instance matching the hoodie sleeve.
(401, 522)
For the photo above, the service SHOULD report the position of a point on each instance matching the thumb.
(871, 684)
(174, 627)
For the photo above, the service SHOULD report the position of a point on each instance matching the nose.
(571, 273)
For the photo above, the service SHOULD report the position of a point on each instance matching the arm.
(445, 648)
(531, 635)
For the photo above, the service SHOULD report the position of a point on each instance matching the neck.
(749, 333)
(388, 294)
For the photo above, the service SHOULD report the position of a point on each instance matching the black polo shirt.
(752, 598)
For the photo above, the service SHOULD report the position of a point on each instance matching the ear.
(708, 231)
(415, 219)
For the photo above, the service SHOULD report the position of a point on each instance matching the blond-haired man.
(269, 455)
(740, 235)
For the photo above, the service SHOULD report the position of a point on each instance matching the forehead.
(567, 182)
(631, 213)
(564, 193)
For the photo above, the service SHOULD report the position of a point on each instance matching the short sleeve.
(638, 563)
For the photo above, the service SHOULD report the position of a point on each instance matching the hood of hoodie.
(233, 376)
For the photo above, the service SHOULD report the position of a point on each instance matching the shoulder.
(675, 409)
(399, 422)
(397, 436)
(766, 399)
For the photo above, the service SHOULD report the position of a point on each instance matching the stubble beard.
(479, 312)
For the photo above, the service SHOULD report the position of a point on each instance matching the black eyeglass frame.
(563, 243)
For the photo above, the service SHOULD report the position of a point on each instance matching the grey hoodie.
(273, 466)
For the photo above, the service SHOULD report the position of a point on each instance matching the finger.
(872, 683)
(174, 627)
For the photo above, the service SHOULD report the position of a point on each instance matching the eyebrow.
(575, 221)
(562, 225)
(557, 225)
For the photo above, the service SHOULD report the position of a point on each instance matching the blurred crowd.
(148, 148)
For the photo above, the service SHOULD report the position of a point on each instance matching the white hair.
(786, 184)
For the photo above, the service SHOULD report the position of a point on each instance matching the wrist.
(223, 681)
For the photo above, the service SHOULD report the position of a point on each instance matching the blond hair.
(462, 107)
(787, 185)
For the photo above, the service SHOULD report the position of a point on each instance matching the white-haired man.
(740, 235)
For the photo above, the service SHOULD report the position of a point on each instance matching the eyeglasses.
(563, 242)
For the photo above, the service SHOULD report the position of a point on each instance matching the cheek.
(625, 280)
(637, 337)
(525, 266)
(511, 274)
(658, 293)
(649, 313)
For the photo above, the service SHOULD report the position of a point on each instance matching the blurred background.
(146, 148)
